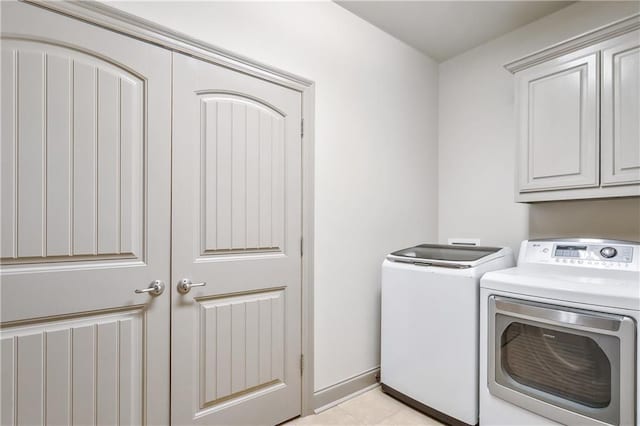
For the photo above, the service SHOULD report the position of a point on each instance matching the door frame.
(131, 25)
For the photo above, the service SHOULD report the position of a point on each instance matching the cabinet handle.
(185, 284)
(156, 288)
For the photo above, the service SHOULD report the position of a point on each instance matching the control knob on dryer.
(608, 252)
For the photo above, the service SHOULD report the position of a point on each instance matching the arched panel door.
(85, 221)
(236, 341)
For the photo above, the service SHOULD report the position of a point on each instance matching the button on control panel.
(603, 254)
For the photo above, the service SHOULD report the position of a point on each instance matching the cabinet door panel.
(559, 124)
(621, 111)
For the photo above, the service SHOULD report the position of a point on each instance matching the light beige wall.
(376, 129)
(477, 142)
(607, 218)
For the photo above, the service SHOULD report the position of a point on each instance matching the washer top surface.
(593, 272)
(447, 255)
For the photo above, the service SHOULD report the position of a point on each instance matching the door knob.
(155, 288)
(185, 284)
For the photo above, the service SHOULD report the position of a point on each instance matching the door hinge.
(302, 128)
(301, 246)
(301, 364)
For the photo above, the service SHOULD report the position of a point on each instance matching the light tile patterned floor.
(370, 408)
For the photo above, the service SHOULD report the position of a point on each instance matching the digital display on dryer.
(570, 251)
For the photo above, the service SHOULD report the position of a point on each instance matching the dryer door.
(570, 365)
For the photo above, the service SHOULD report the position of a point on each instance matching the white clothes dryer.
(558, 335)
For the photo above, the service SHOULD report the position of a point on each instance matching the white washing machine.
(430, 296)
(558, 335)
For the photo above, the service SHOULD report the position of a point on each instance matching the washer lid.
(441, 254)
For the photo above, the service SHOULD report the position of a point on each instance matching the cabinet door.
(621, 111)
(558, 107)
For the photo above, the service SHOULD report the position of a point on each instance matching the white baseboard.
(346, 389)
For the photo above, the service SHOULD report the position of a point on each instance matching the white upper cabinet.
(578, 112)
(621, 111)
(559, 124)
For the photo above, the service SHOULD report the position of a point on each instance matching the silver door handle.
(558, 316)
(185, 284)
(155, 288)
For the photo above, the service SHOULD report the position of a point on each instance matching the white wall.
(376, 128)
(477, 140)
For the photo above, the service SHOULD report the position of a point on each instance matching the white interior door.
(85, 190)
(236, 341)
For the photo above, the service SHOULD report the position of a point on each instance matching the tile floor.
(371, 408)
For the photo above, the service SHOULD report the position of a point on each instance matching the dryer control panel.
(589, 253)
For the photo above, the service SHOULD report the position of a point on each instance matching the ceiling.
(444, 29)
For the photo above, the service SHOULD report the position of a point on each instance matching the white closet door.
(85, 189)
(621, 111)
(236, 342)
